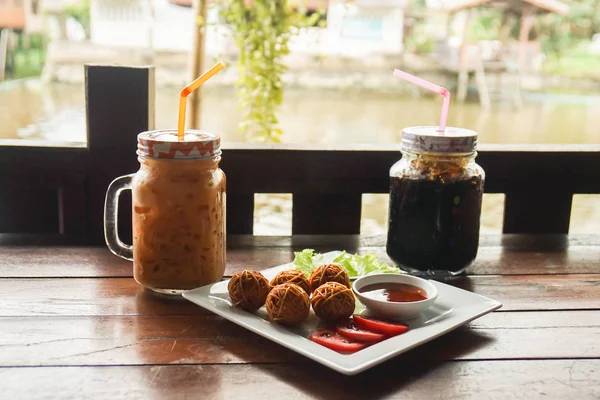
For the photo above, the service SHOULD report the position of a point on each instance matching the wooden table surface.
(74, 324)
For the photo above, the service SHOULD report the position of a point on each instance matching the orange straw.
(189, 89)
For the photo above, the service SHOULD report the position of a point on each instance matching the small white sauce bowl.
(395, 310)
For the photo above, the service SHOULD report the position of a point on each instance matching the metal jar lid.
(164, 144)
(428, 139)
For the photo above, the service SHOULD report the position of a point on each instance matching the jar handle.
(111, 217)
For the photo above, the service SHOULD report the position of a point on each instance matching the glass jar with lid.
(178, 199)
(436, 191)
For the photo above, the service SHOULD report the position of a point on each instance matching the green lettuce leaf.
(357, 265)
(307, 260)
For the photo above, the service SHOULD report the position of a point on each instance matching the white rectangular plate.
(454, 307)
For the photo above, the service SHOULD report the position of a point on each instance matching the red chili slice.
(385, 328)
(351, 331)
(332, 340)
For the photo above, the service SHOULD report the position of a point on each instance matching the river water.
(33, 110)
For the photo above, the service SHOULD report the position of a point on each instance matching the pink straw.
(434, 88)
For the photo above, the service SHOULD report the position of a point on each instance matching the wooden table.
(74, 324)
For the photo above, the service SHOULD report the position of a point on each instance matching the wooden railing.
(61, 189)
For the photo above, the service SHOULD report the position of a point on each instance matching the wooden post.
(484, 93)
(326, 214)
(448, 24)
(197, 61)
(527, 20)
(540, 212)
(463, 68)
(505, 29)
(62, 26)
(4, 33)
(120, 104)
(150, 22)
(71, 209)
(240, 213)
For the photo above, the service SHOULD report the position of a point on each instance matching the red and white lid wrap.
(429, 139)
(164, 144)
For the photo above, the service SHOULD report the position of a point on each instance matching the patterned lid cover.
(164, 144)
(428, 139)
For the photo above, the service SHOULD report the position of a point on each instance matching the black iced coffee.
(435, 202)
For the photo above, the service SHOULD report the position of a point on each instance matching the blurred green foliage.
(81, 12)
(28, 58)
(487, 24)
(560, 34)
(576, 62)
(564, 38)
(261, 30)
(28, 63)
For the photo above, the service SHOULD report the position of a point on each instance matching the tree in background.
(261, 30)
(560, 33)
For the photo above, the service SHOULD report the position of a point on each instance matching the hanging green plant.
(261, 30)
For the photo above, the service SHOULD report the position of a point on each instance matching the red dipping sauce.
(394, 292)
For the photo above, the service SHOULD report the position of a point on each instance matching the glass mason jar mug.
(436, 191)
(178, 199)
